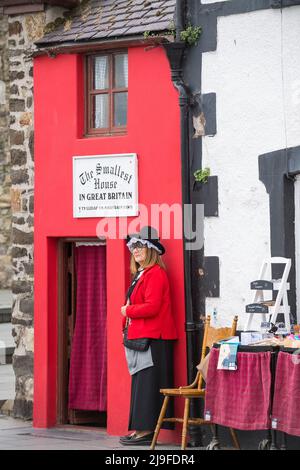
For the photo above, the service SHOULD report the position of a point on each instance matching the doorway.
(82, 355)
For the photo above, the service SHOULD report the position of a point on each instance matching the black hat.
(150, 234)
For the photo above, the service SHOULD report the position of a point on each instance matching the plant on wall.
(191, 35)
(202, 175)
(169, 32)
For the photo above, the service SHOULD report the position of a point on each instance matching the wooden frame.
(111, 91)
(16, 7)
(62, 334)
(62, 413)
(53, 50)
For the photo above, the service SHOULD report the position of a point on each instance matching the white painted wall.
(255, 73)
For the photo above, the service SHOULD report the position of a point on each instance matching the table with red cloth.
(286, 411)
(241, 399)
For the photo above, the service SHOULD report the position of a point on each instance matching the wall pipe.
(176, 54)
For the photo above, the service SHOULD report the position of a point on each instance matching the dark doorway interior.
(82, 333)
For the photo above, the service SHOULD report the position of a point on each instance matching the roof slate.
(108, 19)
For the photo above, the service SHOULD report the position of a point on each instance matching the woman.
(148, 315)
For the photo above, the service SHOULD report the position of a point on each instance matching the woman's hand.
(123, 309)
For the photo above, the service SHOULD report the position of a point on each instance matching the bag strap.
(133, 284)
(130, 290)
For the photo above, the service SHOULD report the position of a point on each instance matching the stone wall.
(5, 204)
(24, 30)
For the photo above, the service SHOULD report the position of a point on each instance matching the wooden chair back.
(213, 335)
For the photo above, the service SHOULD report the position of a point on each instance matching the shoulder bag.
(138, 344)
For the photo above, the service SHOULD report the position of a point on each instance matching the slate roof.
(109, 19)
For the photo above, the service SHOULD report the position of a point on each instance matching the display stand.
(271, 307)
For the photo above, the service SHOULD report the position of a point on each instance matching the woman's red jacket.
(150, 307)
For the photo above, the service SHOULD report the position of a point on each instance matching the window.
(107, 93)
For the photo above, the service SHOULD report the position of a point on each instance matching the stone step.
(7, 382)
(7, 344)
(6, 407)
(6, 355)
(6, 300)
(5, 315)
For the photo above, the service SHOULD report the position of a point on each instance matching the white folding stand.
(270, 307)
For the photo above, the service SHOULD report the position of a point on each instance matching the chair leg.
(235, 439)
(214, 443)
(185, 423)
(159, 422)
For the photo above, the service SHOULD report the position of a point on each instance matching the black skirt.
(146, 400)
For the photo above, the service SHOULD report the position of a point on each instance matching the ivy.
(191, 35)
(202, 175)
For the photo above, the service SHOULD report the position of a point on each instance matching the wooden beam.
(19, 10)
(63, 3)
(83, 48)
(12, 7)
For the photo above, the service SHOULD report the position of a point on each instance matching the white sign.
(105, 185)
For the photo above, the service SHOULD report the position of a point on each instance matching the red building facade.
(153, 133)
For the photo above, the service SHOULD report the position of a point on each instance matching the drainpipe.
(176, 52)
(179, 18)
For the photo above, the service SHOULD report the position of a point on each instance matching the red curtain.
(88, 367)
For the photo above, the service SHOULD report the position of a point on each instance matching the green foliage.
(202, 175)
(172, 29)
(191, 35)
(170, 32)
(49, 27)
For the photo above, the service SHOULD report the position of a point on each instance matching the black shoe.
(126, 438)
(138, 441)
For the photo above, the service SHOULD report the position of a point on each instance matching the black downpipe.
(176, 54)
(180, 18)
(184, 104)
(186, 199)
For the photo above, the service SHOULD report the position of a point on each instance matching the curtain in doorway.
(88, 366)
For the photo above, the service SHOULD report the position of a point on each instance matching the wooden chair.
(195, 390)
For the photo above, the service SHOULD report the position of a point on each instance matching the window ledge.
(105, 134)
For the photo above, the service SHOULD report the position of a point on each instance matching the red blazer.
(150, 307)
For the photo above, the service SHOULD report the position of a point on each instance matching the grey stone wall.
(5, 183)
(24, 30)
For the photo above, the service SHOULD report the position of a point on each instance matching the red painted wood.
(154, 134)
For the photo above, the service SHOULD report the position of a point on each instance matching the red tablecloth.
(240, 399)
(287, 393)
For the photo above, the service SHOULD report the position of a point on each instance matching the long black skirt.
(146, 400)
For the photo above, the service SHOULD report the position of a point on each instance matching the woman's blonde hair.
(152, 258)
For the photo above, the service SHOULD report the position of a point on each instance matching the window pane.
(121, 71)
(101, 73)
(100, 107)
(120, 109)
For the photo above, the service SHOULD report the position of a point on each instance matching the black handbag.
(138, 344)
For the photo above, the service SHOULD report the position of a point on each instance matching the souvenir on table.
(228, 354)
